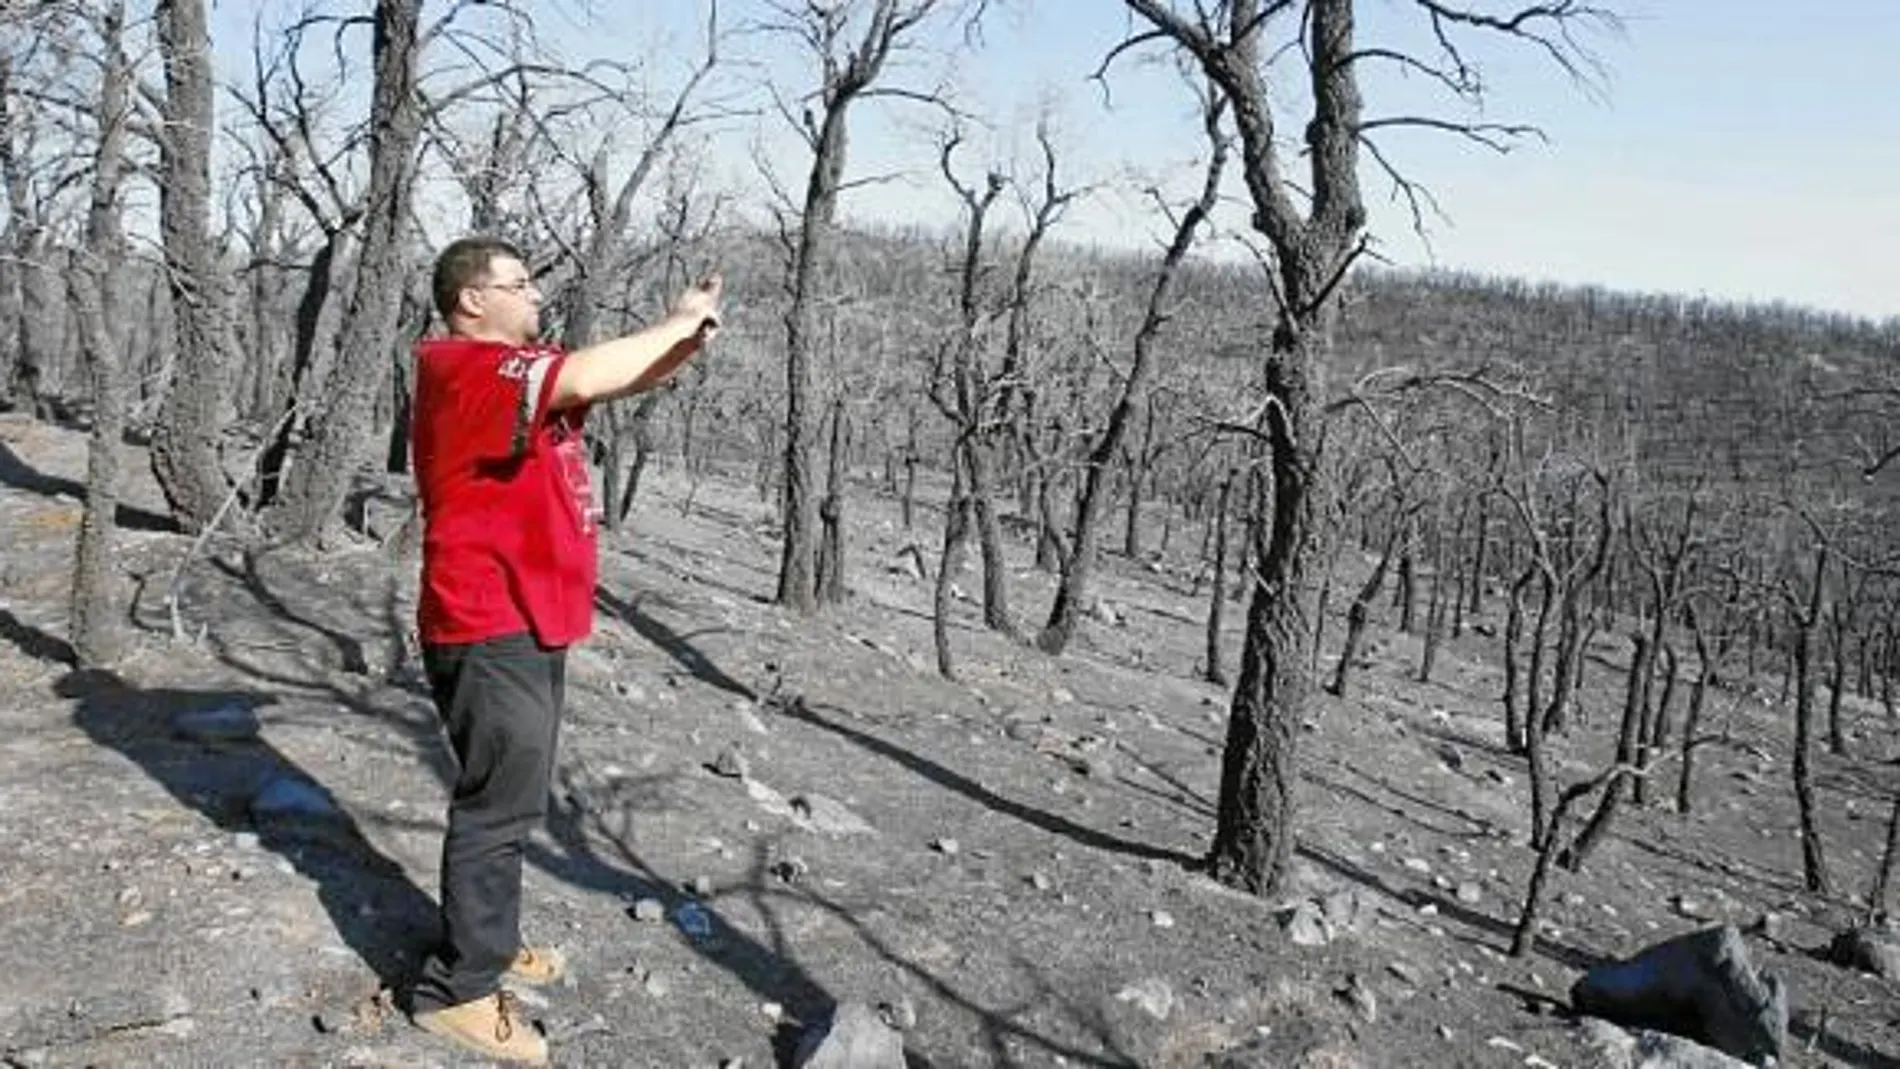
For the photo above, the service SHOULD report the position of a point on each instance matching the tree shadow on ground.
(593, 827)
(702, 577)
(34, 642)
(799, 710)
(351, 654)
(1503, 755)
(591, 821)
(1475, 829)
(998, 1026)
(1813, 1032)
(672, 643)
(1732, 867)
(1183, 794)
(1449, 908)
(354, 679)
(592, 824)
(376, 909)
(20, 475)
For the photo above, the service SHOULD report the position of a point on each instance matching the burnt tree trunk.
(402, 386)
(1864, 666)
(1513, 635)
(1461, 573)
(830, 576)
(20, 370)
(39, 373)
(1315, 232)
(1836, 682)
(846, 79)
(1542, 788)
(642, 421)
(313, 341)
(1078, 564)
(1479, 549)
(1211, 667)
(1635, 699)
(1138, 477)
(1539, 643)
(1048, 542)
(996, 614)
(185, 441)
(1574, 629)
(798, 559)
(1889, 667)
(260, 372)
(1405, 592)
(1878, 906)
(1254, 818)
(1656, 728)
(1360, 610)
(1568, 655)
(1524, 934)
(1692, 721)
(320, 474)
(94, 628)
(1813, 855)
(956, 534)
(1435, 611)
(965, 396)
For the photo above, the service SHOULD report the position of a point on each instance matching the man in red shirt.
(508, 570)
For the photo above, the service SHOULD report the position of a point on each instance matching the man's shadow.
(202, 747)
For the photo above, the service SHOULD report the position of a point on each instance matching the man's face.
(505, 305)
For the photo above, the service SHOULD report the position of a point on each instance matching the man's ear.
(467, 304)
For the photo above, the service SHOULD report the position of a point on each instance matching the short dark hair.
(463, 264)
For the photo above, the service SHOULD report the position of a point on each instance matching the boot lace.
(507, 1008)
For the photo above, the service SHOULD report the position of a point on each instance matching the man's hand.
(646, 358)
(700, 304)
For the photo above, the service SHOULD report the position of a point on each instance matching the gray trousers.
(500, 703)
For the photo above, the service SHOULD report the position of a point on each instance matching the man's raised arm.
(644, 359)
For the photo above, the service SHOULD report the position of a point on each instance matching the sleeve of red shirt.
(506, 397)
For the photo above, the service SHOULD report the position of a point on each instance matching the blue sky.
(1739, 148)
(1742, 149)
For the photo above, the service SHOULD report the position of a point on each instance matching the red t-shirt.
(508, 513)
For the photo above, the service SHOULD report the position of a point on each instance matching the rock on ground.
(1699, 986)
(1873, 950)
(1643, 1049)
(855, 1037)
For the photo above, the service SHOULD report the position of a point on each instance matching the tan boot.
(537, 966)
(491, 1026)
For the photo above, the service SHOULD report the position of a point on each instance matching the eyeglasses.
(517, 287)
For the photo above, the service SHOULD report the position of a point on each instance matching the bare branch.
(1491, 135)
(1461, 81)
(1872, 469)
(1550, 26)
(1100, 75)
(1417, 197)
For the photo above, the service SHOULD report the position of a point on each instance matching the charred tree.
(1360, 611)
(1879, 899)
(1217, 594)
(967, 395)
(1635, 698)
(1806, 620)
(849, 73)
(831, 587)
(956, 535)
(1076, 560)
(185, 440)
(95, 632)
(339, 426)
